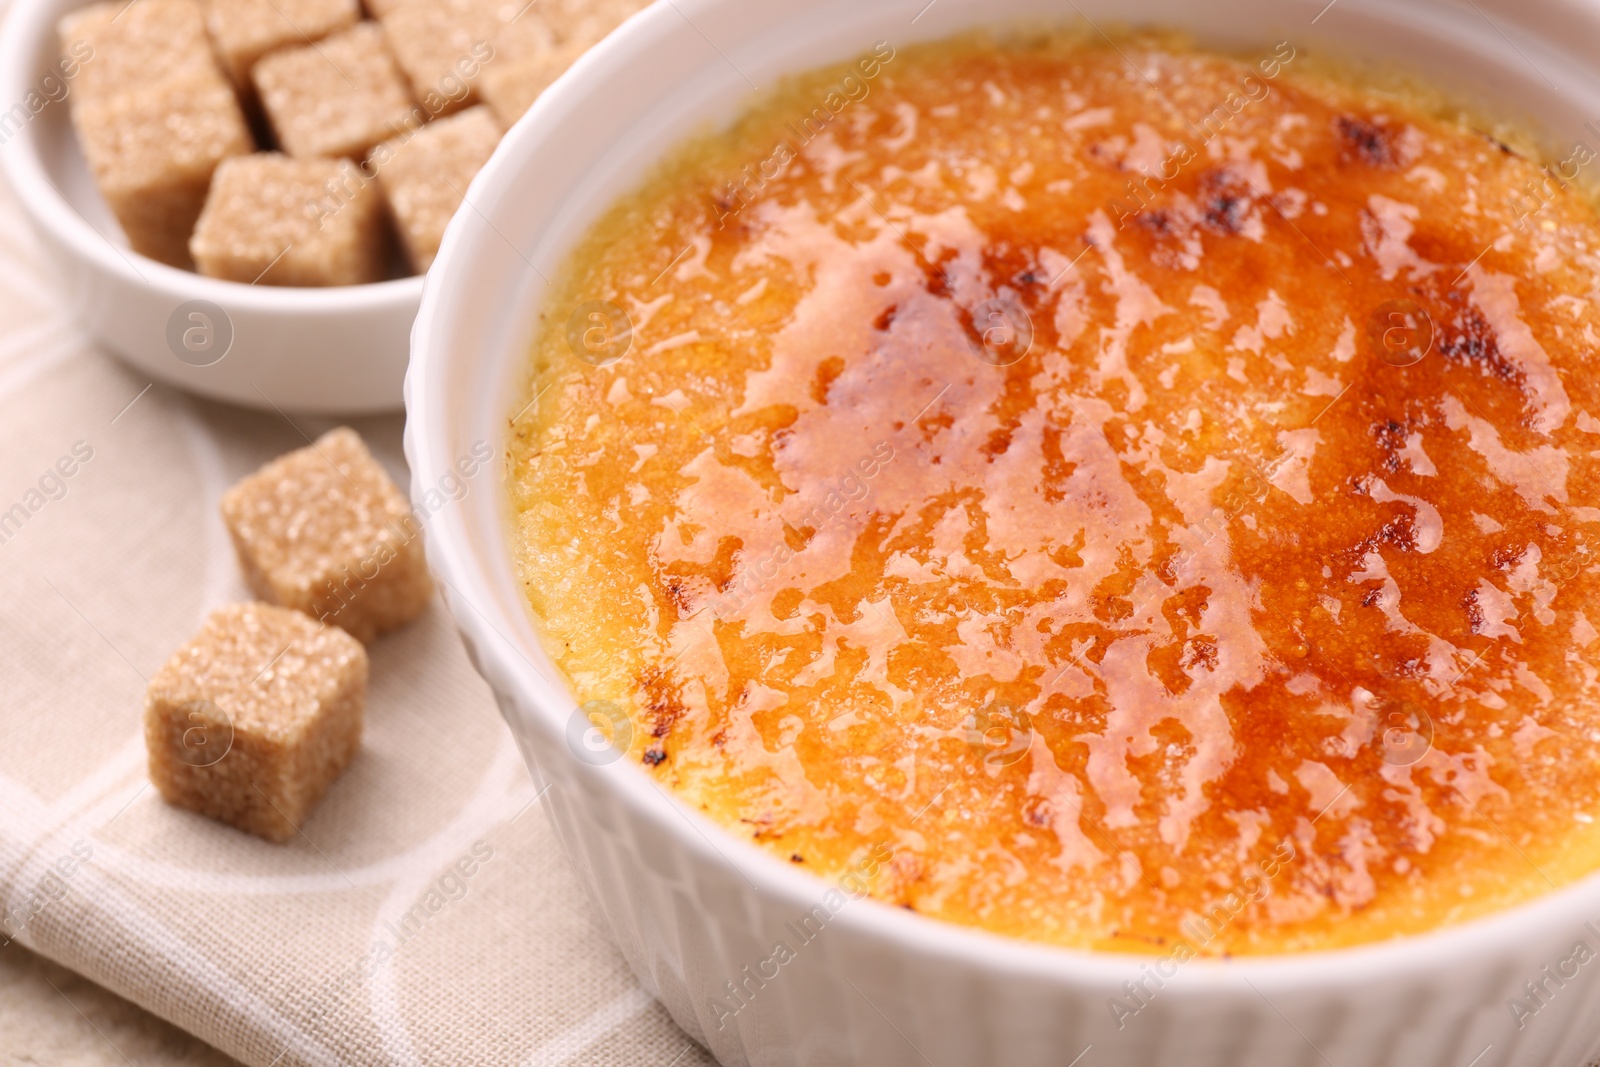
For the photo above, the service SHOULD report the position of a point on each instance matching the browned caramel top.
(1028, 473)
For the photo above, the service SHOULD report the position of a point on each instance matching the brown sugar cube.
(588, 21)
(245, 30)
(336, 98)
(274, 220)
(153, 153)
(325, 531)
(379, 9)
(426, 176)
(528, 57)
(122, 46)
(252, 720)
(153, 114)
(442, 45)
(538, 45)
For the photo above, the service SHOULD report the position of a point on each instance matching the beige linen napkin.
(425, 916)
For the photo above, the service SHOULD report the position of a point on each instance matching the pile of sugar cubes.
(299, 142)
(253, 719)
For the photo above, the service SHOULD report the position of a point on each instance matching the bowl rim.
(1431, 953)
(28, 25)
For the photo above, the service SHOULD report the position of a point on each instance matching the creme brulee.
(1139, 507)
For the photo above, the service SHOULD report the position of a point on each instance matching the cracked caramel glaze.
(1211, 620)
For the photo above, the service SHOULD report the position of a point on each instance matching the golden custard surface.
(1212, 619)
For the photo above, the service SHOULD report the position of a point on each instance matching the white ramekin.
(335, 350)
(691, 907)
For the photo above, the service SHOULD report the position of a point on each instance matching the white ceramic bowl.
(337, 350)
(691, 907)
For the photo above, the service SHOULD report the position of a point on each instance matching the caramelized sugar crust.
(1207, 621)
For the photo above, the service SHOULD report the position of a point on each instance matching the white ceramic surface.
(337, 350)
(690, 906)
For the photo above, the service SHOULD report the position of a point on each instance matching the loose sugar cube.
(252, 720)
(442, 46)
(274, 220)
(426, 176)
(325, 531)
(245, 30)
(153, 153)
(124, 45)
(336, 98)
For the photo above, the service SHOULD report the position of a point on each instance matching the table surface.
(51, 1016)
